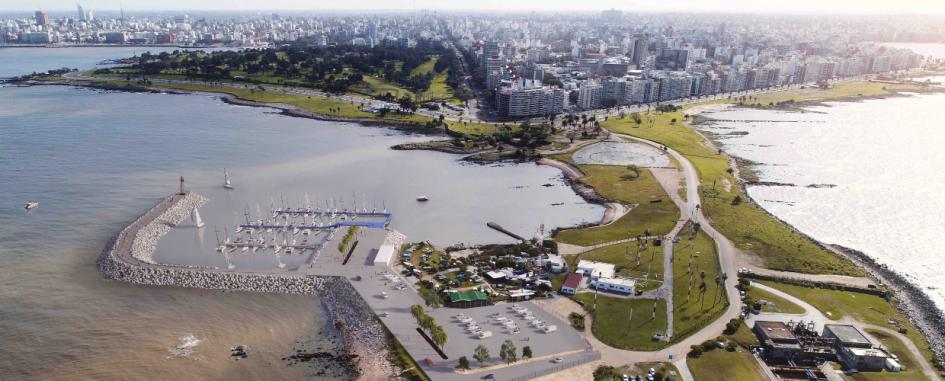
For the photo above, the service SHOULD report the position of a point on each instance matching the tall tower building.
(42, 18)
(80, 11)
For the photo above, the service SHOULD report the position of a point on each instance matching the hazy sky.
(767, 6)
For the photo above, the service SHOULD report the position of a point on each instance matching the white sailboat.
(226, 180)
(195, 216)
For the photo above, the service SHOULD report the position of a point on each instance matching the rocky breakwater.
(127, 258)
(146, 239)
(364, 335)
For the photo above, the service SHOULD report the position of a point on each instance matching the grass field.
(615, 183)
(838, 90)
(624, 257)
(862, 307)
(376, 86)
(744, 336)
(750, 228)
(614, 326)
(912, 369)
(775, 303)
(720, 364)
(690, 316)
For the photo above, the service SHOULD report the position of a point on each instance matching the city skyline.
(722, 6)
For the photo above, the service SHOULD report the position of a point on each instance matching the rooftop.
(572, 281)
(847, 334)
(775, 330)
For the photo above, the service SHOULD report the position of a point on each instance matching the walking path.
(812, 314)
(689, 208)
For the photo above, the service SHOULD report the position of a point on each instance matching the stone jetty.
(128, 257)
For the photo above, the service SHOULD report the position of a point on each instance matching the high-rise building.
(84, 15)
(527, 98)
(42, 18)
(640, 50)
(673, 59)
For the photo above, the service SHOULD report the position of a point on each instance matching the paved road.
(727, 253)
(812, 314)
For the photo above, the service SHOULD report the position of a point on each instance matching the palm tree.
(417, 311)
(438, 335)
(427, 323)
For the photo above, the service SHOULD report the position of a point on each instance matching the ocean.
(865, 175)
(94, 160)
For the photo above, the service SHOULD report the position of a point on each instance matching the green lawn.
(838, 91)
(613, 324)
(624, 257)
(426, 67)
(376, 86)
(616, 183)
(775, 303)
(912, 369)
(862, 307)
(700, 310)
(720, 364)
(639, 369)
(749, 227)
(744, 336)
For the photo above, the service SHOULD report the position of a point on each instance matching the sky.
(725, 6)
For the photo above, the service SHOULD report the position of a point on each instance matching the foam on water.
(186, 347)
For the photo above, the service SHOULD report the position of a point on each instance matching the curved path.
(812, 314)
(689, 207)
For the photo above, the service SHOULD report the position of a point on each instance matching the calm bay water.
(95, 160)
(20, 61)
(875, 167)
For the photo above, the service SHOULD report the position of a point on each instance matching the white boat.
(195, 216)
(278, 249)
(226, 180)
(31, 205)
(423, 198)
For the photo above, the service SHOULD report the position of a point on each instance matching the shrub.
(694, 351)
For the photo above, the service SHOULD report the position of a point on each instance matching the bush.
(694, 351)
(709, 345)
(732, 326)
(463, 363)
(730, 346)
(604, 373)
(577, 321)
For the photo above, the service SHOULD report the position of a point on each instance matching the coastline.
(917, 306)
(364, 337)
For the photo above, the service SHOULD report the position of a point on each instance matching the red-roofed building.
(571, 283)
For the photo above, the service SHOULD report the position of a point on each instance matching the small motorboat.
(423, 198)
(31, 205)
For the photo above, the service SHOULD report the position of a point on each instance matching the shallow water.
(95, 160)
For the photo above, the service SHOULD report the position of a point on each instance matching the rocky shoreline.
(910, 300)
(125, 259)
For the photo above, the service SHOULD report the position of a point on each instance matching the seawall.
(365, 338)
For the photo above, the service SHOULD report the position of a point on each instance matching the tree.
(604, 373)
(526, 352)
(507, 352)
(438, 335)
(417, 311)
(481, 354)
(737, 200)
(463, 363)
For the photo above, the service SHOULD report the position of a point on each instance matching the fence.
(586, 357)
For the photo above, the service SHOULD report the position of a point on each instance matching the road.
(690, 210)
(812, 314)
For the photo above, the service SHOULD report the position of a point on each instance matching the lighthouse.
(181, 186)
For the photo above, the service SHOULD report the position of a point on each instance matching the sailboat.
(195, 216)
(226, 180)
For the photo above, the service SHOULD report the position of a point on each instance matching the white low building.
(621, 285)
(596, 269)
